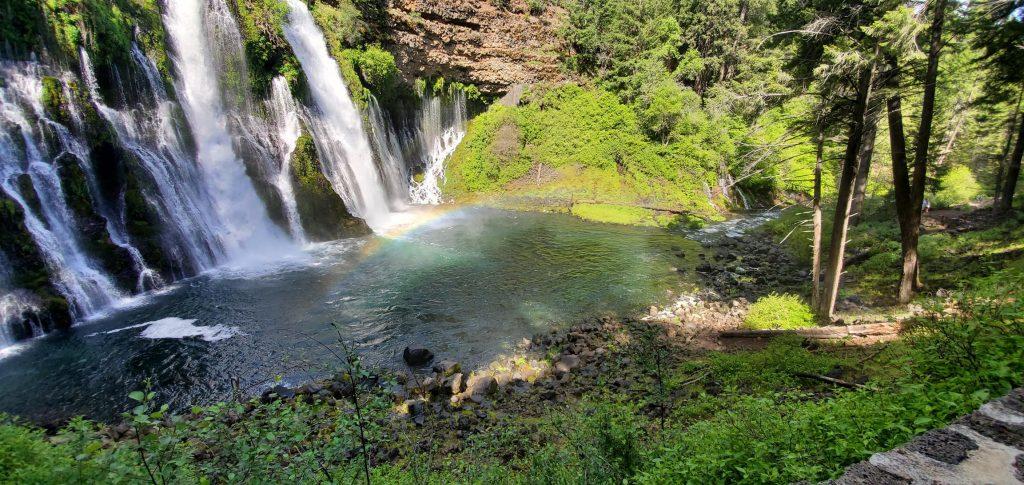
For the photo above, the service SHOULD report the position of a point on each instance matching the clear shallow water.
(469, 285)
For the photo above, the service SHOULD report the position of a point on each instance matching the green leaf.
(137, 396)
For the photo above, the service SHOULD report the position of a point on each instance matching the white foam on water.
(178, 328)
(174, 327)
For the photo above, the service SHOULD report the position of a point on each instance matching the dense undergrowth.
(745, 416)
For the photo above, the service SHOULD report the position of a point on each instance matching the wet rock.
(277, 392)
(447, 367)
(415, 355)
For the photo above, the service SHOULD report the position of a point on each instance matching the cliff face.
(475, 41)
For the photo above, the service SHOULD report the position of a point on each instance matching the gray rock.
(447, 367)
(943, 445)
(456, 383)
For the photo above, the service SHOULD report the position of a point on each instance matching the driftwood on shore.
(822, 333)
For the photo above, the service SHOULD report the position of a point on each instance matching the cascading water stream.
(441, 128)
(152, 134)
(249, 235)
(283, 116)
(336, 124)
(24, 151)
(115, 219)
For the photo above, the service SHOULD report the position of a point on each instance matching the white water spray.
(24, 151)
(336, 124)
(249, 235)
(286, 128)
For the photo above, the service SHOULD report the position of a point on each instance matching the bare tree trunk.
(957, 124)
(816, 218)
(910, 193)
(840, 223)
(1012, 173)
(867, 150)
(1004, 159)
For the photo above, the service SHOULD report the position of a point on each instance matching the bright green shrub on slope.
(777, 311)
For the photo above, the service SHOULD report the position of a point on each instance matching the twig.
(831, 380)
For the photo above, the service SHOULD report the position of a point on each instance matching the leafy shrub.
(777, 311)
(957, 187)
(377, 67)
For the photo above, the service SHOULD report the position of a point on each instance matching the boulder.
(415, 355)
(567, 363)
(482, 385)
(447, 367)
(455, 383)
(277, 392)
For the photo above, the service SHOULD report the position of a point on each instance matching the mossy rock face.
(321, 211)
(93, 235)
(27, 267)
(54, 101)
(121, 183)
(260, 178)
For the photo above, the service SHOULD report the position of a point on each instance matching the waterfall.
(153, 135)
(116, 224)
(25, 151)
(286, 128)
(336, 124)
(14, 303)
(441, 127)
(249, 233)
(388, 147)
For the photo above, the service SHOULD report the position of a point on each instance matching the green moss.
(321, 211)
(267, 51)
(615, 214)
(777, 311)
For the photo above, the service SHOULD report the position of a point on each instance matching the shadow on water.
(468, 285)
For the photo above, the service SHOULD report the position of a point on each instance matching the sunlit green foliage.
(957, 187)
(587, 132)
(777, 311)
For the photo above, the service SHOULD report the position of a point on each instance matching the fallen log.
(821, 333)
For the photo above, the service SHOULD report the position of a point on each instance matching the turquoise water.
(469, 285)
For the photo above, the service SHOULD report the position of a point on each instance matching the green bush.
(777, 311)
(957, 187)
(377, 67)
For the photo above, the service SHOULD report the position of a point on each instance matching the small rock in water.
(416, 355)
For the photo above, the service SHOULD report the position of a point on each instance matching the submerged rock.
(416, 355)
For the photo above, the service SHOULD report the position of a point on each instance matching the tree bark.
(910, 193)
(841, 220)
(1004, 158)
(1012, 173)
(867, 150)
(816, 218)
